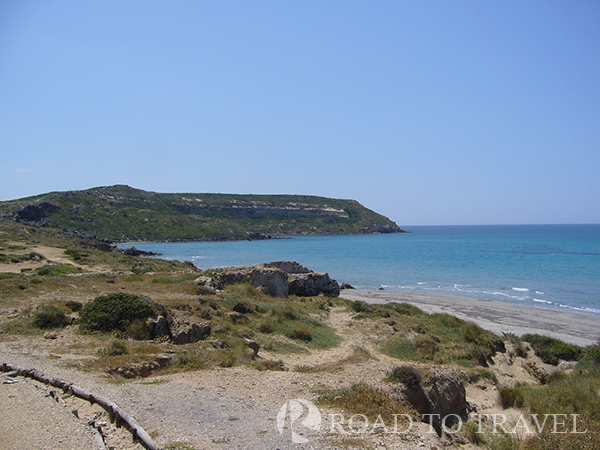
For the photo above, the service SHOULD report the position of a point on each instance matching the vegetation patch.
(116, 311)
(552, 350)
(364, 399)
(55, 270)
(49, 316)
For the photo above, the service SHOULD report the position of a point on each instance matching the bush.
(57, 270)
(593, 353)
(550, 350)
(301, 332)
(511, 397)
(48, 316)
(114, 348)
(115, 311)
(360, 306)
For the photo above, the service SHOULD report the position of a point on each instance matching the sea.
(553, 266)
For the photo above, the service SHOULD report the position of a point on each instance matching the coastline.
(495, 316)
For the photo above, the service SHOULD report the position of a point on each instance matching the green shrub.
(56, 270)
(48, 316)
(73, 305)
(511, 397)
(551, 350)
(115, 311)
(360, 306)
(593, 353)
(301, 332)
(114, 348)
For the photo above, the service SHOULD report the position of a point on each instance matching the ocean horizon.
(552, 266)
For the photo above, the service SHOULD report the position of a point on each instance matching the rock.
(442, 395)
(279, 279)
(208, 285)
(193, 333)
(36, 212)
(49, 335)
(179, 326)
(159, 326)
(288, 267)
(346, 286)
(253, 345)
(312, 284)
(236, 317)
(132, 251)
(244, 308)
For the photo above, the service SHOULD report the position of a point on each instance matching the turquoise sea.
(556, 266)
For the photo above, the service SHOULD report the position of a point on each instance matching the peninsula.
(122, 213)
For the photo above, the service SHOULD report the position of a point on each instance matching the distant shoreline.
(498, 317)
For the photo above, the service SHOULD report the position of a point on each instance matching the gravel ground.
(233, 408)
(31, 420)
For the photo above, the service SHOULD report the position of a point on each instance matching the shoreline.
(498, 317)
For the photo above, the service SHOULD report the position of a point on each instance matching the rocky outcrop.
(178, 329)
(278, 278)
(36, 212)
(312, 284)
(440, 397)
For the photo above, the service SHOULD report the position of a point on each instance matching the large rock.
(313, 283)
(191, 333)
(278, 278)
(441, 395)
(179, 328)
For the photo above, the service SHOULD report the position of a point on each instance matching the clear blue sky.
(430, 112)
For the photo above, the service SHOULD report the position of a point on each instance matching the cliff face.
(124, 213)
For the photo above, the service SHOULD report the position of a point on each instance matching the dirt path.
(234, 407)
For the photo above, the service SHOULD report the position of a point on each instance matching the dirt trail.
(225, 408)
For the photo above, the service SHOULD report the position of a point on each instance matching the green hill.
(122, 213)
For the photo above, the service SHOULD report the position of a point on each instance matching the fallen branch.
(116, 413)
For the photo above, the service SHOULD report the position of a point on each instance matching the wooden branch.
(115, 412)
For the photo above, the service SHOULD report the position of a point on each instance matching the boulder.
(192, 333)
(178, 326)
(36, 212)
(244, 308)
(158, 326)
(441, 395)
(312, 284)
(254, 346)
(278, 278)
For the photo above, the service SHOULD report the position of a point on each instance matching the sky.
(429, 112)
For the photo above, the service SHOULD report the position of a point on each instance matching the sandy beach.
(499, 317)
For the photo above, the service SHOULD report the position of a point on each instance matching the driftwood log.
(115, 412)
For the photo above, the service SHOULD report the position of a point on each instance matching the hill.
(123, 213)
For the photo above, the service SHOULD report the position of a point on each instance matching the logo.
(298, 417)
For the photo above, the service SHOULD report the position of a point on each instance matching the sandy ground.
(499, 317)
(238, 407)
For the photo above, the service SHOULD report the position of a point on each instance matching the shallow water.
(557, 266)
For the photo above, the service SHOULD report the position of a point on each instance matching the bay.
(554, 266)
